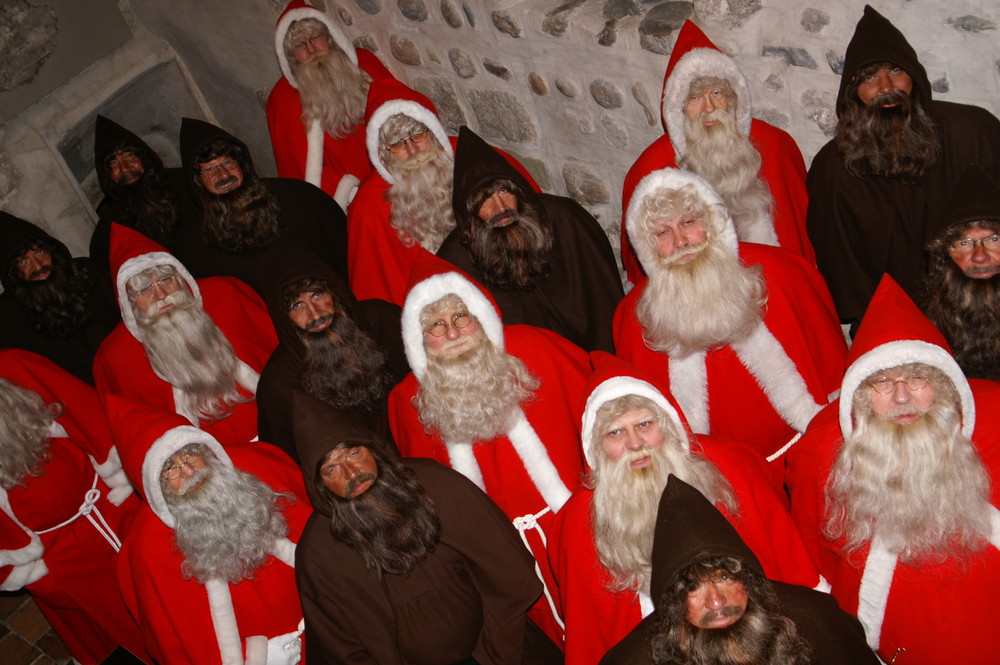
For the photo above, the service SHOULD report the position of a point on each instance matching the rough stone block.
(462, 63)
(495, 68)
(442, 93)
(585, 186)
(733, 12)
(28, 36)
(451, 14)
(814, 20)
(501, 115)
(836, 62)
(537, 84)
(641, 95)
(404, 50)
(819, 107)
(371, 7)
(969, 23)
(615, 133)
(796, 57)
(557, 20)
(505, 23)
(414, 10)
(567, 87)
(941, 85)
(659, 24)
(606, 94)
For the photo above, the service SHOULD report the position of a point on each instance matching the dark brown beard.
(761, 636)
(393, 526)
(147, 206)
(967, 311)
(898, 143)
(344, 367)
(60, 305)
(243, 221)
(515, 256)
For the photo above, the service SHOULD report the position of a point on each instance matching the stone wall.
(572, 88)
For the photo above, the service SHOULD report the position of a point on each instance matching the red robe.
(173, 612)
(597, 619)
(799, 314)
(930, 611)
(563, 370)
(122, 368)
(346, 155)
(782, 168)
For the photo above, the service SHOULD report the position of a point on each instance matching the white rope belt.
(530, 522)
(89, 510)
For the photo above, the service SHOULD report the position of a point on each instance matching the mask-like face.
(220, 175)
(311, 48)
(125, 168)
(451, 333)
(901, 398)
(35, 265)
(718, 602)
(884, 80)
(499, 209)
(634, 431)
(679, 240)
(977, 253)
(349, 472)
(707, 100)
(183, 472)
(312, 311)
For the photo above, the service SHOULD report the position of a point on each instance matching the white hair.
(24, 433)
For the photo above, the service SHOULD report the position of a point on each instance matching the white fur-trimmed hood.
(409, 108)
(296, 11)
(136, 265)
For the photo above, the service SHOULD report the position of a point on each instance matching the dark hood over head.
(15, 233)
(878, 40)
(196, 135)
(109, 136)
(476, 165)
(318, 428)
(975, 198)
(690, 528)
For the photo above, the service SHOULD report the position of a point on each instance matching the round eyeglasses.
(173, 471)
(458, 320)
(885, 385)
(167, 284)
(398, 146)
(968, 245)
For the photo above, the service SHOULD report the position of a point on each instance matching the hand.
(285, 649)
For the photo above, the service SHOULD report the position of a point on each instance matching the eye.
(644, 425)
(296, 305)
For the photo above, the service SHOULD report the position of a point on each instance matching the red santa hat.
(722, 226)
(432, 279)
(388, 97)
(695, 56)
(614, 378)
(296, 11)
(895, 332)
(147, 436)
(130, 252)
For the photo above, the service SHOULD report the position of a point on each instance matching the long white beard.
(728, 160)
(333, 90)
(921, 487)
(420, 198)
(187, 349)
(711, 301)
(226, 527)
(24, 434)
(475, 397)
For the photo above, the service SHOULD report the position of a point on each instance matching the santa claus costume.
(532, 470)
(764, 389)
(60, 530)
(597, 618)
(122, 368)
(922, 607)
(782, 167)
(184, 621)
(335, 165)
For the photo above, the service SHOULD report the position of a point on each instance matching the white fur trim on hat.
(411, 109)
(612, 389)
(152, 465)
(136, 265)
(433, 289)
(289, 17)
(668, 178)
(698, 63)
(904, 352)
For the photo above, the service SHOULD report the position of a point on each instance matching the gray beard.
(226, 527)
(24, 434)
(420, 198)
(333, 90)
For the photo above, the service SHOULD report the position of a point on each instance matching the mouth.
(130, 178)
(227, 185)
(984, 272)
(39, 275)
(502, 219)
(641, 463)
(319, 324)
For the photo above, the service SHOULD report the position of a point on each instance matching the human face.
(718, 602)
(634, 431)
(456, 340)
(902, 405)
(312, 311)
(159, 288)
(125, 168)
(408, 146)
(982, 262)
(498, 210)
(220, 175)
(181, 472)
(349, 472)
(681, 235)
(35, 265)
(882, 81)
(311, 48)
(708, 100)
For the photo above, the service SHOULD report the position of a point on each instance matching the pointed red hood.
(130, 252)
(146, 437)
(388, 97)
(296, 11)
(614, 378)
(895, 332)
(432, 279)
(695, 56)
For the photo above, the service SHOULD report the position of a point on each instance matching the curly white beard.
(728, 160)
(226, 526)
(475, 397)
(420, 199)
(713, 300)
(921, 487)
(334, 90)
(187, 349)
(24, 433)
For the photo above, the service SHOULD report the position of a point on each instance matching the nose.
(411, 147)
(187, 470)
(311, 311)
(159, 293)
(900, 393)
(33, 263)
(633, 441)
(979, 254)
(452, 332)
(714, 598)
(709, 102)
(884, 82)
